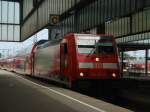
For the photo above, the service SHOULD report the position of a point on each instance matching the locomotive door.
(32, 58)
(63, 58)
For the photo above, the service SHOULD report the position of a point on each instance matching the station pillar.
(49, 34)
(146, 62)
(122, 58)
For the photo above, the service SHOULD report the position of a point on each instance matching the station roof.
(35, 15)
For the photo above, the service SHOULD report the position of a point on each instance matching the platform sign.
(54, 19)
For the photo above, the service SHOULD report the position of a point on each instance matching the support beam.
(9, 24)
(12, 0)
(133, 46)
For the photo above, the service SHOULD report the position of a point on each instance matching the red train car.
(7, 63)
(75, 57)
(22, 62)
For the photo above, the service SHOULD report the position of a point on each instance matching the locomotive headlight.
(114, 75)
(81, 74)
(96, 59)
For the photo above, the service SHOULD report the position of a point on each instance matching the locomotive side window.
(105, 49)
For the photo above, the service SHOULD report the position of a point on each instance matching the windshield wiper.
(91, 52)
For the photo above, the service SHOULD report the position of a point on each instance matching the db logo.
(54, 19)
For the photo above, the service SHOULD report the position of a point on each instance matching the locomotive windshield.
(95, 45)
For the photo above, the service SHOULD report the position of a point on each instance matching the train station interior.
(24, 22)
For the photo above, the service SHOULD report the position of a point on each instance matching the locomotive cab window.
(86, 49)
(95, 45)
(106, 49)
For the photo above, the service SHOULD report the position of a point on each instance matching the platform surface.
(19, 94)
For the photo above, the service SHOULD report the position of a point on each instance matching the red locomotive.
(75, 57)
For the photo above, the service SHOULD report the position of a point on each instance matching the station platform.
(20, 94)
